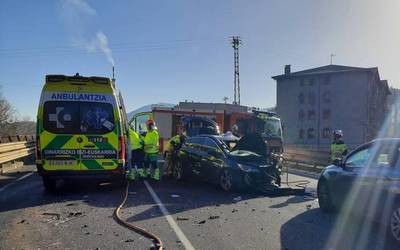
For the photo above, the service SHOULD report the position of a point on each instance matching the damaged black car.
(209, 158)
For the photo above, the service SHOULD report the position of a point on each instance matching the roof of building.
(328, 69)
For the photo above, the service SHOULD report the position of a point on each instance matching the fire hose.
(156, 240)
(300, 183)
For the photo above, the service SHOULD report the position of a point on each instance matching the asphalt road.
(79, 216)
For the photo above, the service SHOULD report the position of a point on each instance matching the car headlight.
(247, 168)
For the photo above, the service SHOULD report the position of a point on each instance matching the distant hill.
(148, 108)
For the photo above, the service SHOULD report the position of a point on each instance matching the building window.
(327, 80)
(311, 98)
(326, 97)
(326, 114)
(301, 98)
(301, 133)
(311, 82)
(311, 115)
(301, 115)
(326, 132)
(310, 133)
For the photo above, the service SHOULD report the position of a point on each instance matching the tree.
(7, 116)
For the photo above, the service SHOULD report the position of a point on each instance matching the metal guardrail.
(305, 158)
(15, 147)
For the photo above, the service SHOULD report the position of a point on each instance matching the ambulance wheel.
(49, 184)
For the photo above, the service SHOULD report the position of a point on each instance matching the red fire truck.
(168, 119)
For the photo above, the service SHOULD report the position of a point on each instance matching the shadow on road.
(291, 200)
(30, 193)
(316, 230)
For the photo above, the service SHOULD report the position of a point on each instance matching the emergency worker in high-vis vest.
(173, 146)
(151, 147)
(338, 147)
(137, 145)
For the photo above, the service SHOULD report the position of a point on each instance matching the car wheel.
(324, 197)
(178, 172)
(50, 185)
(394, 225)
(226, 180)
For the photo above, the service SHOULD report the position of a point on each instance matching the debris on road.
(84, 226)
(175, 195)
(57, 215)
(74, 214)
(253, 209)
(129, 240)
(213, 217)
(181, 218)
(71, 204)
(308, 206)
(239, 198)
(234, 210)
(22, 222)
(202, 222)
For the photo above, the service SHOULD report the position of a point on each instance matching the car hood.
(247, 157)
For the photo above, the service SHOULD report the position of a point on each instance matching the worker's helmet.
(337, 133)
(150, 122)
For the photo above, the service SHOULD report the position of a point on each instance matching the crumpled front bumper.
(263, 180)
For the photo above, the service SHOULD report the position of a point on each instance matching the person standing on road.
(173, 146)
(338, 147)
(137, 144)
(151, 148)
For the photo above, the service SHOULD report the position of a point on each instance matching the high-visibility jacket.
(135, 139)
(151, 144)
(338, 150)
(173, 142)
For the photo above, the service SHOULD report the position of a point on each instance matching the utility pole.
(236, 41)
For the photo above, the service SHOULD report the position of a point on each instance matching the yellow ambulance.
(81, 130)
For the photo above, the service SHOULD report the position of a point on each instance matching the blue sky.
(170, 51)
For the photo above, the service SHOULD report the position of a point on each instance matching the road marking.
(20, 178)
(181, 236)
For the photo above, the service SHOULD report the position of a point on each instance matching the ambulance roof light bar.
(77, 78)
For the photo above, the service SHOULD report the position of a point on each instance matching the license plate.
(62, 162)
